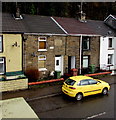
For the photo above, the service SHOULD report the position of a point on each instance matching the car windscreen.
(70, 82)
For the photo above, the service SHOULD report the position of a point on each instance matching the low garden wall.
(13, 85)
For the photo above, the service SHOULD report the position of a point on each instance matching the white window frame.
(2, 62)
(41, 59)
(87, 61)
(109, 43)
(111, 55)
(1, 43)
(42, 40)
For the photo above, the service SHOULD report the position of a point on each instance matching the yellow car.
(81, 86)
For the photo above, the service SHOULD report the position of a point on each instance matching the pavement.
(49, 91)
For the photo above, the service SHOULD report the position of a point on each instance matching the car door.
(85, 87)
(95, 87)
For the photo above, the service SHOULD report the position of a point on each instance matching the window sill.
(42, 69)
(42, 50)
(86, 49)
(110, 48)
(1, 73)
(108, 65)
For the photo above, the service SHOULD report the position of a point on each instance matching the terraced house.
(50, 44)
(88, 43)
(61, 48)
(11, 74)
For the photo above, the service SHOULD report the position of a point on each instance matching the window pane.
(85, 61)
(110, 42)
(1, 68)
(70, 82)
(86, 43)
(92, 81)
(1, 65)
(0, 43)
(42, 38)
(42, 44)
(57, 62)
(110, 59)
(84, 82)
(41, 64)
(42, 57)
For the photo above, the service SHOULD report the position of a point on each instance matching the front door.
(71, 62)
(58, 64)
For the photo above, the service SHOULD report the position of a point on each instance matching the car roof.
(78, 78)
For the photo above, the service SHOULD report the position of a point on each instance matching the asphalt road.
(61, 106)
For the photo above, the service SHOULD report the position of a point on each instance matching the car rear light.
(72, 88)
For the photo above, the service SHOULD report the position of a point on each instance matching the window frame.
(110, 44)
(110, 62)
(4, 63)
(1, 43)
(86, 39)
(86, 59)
(42, 40)
(41, 59)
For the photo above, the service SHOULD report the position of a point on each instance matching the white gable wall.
(105, 50)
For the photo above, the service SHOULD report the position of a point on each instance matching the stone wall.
(57, 45)
(94, 51)
(13, 85)
(73, 48)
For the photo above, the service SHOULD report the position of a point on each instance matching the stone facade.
(94, 51)
(65, 46)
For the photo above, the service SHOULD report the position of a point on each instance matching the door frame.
(62, 61)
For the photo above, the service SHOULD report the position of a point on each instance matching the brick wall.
(13, 85)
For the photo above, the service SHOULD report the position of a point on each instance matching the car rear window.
(70, 82)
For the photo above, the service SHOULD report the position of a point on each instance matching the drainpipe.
(80, 54)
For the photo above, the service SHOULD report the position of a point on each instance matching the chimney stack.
(17, 12)
(17, 15)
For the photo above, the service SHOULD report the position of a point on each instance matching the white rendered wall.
(104, 51)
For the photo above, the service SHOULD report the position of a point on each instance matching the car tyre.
(79, 96)
(105, 91)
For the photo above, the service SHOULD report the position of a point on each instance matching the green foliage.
(32, 9)
(93, 10)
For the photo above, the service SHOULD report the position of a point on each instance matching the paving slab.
(16, 108)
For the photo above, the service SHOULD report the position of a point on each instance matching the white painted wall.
(104, 51)
(72, 62)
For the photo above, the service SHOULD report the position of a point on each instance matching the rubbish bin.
(57, 74)
(74, 72)
(92, 68)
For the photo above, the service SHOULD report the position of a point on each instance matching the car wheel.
(79, 96)
(105, 91)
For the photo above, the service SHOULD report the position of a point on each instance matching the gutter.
(44, 34)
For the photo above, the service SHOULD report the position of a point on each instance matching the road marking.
(42, 97)
(94, 116)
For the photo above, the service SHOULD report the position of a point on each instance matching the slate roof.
(101, 28)
(111, 21)
(11, 25)
(90, 27)
(74, 26)
(44, 24)
(30, 24)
